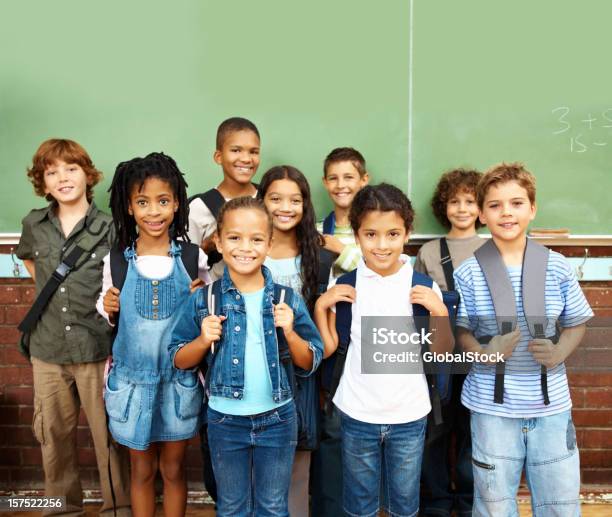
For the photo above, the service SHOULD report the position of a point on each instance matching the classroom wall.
(20, 460)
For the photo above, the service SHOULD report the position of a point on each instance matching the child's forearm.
(300, 351)
(328, 335)
(31, 267)
(569, 340)
(191, 354)
(442, 340)
(467, 342)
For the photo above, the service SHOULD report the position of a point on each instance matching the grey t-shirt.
(428, 259)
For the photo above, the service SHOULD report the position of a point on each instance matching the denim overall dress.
(147, 399)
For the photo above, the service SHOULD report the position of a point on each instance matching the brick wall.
(20, 461)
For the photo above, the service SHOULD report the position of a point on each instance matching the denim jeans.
(371, 452)
(252, 458)
(545, 445)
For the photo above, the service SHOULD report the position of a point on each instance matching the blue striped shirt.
(565, 303)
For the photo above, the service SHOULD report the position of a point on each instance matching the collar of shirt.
(51, 214)
(364, 271)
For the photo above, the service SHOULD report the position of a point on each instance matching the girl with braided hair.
(152, 407)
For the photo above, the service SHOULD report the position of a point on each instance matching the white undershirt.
(149, 266)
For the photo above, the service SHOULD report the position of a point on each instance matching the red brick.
(598, 398)
(596, 438)
(22, 395)
(12, 356)
(588, 379)
(22, 435)
(2, 315)
(597, 358)
(15, 375)
(604, 312)
(9, 414)
(27, 477)
(9, 295)
(15, 313)
(84, 437)
(595, 458)
(592, 417)
(577, 395)
(28, 294)
(86, 456)
(9, 456)
(26, 415)
(5, 477)
(596, 476)
(598, 297)
(31, 456)
(9, 335)
(597, 338)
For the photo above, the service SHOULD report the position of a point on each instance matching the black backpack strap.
(213, 199)
(118, 267)
(329, 223)
(59, 275)
(447, 264)
(344, 318)
(326, 261)
(212, 294)
(85, 241)
(190, 254)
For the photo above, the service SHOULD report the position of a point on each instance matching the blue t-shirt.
(286, 271)
(257, 384)
(523, 398)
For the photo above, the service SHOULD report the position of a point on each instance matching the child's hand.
(111, 302)
(545, 352)
(504, 344)
(196, 284)
(426, 297)
(333, 244)
(212, 328)
(335, 294)
(283, 317)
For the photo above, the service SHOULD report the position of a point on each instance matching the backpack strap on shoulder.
(118, 267)
(190, 254)
(329, 223)
(447, 264)
(344, 319)
(326, 261)
(212, 292)
(283, 294)
(213, 199)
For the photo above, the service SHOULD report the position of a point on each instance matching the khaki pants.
(59, 393)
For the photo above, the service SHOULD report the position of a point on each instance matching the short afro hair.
(450, 184)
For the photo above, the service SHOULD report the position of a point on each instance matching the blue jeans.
(545, 445)
(252, 458)
(373, 451)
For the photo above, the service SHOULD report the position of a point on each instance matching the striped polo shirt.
(523, 398)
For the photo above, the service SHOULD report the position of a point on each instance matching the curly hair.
(451, 183)
(134, 173)
(309, 241)
(384, 198)
(68, 151)
(232, 125)
(345, 154)
(503, 173)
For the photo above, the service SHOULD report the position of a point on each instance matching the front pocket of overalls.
(188, 399)
(117, 401)
(155, 299)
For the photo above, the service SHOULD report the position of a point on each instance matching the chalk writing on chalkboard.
(583, 131)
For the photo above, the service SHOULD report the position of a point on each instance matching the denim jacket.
(227, 375)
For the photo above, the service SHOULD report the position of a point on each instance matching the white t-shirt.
(381, 398)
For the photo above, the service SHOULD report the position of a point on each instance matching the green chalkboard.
(418, 86)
